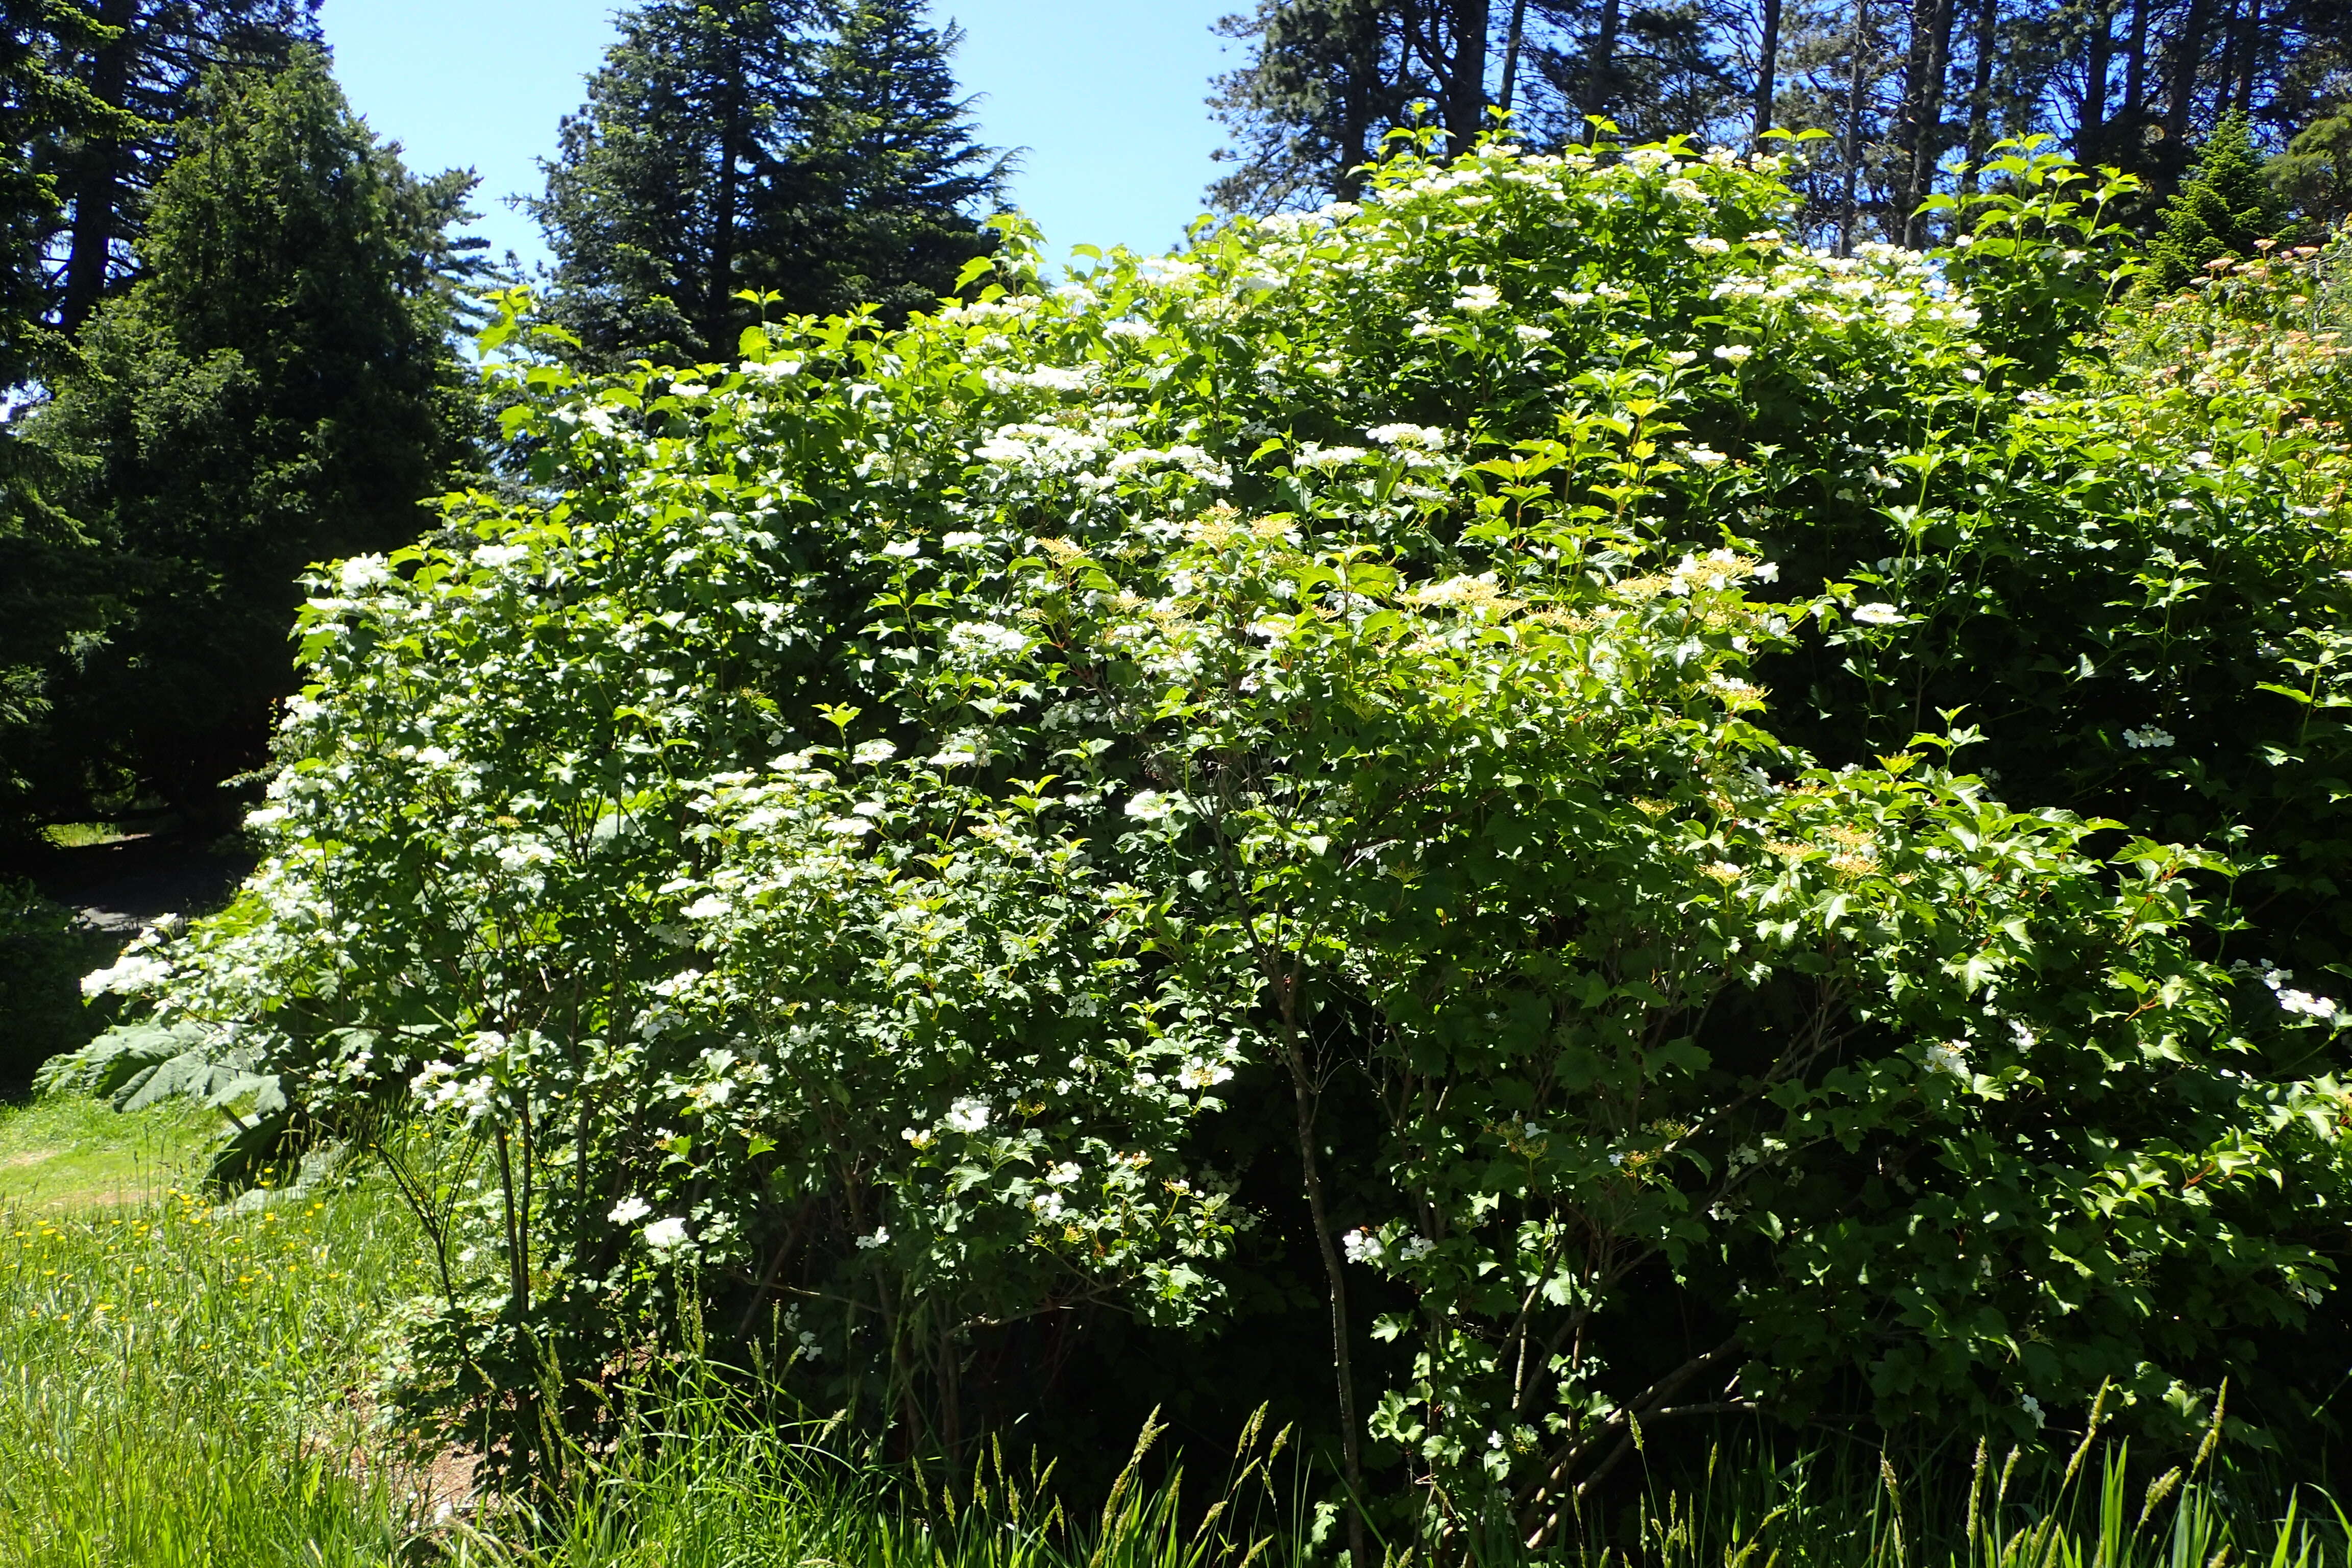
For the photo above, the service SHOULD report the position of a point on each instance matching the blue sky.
(1105, 95)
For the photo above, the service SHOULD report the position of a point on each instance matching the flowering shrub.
(860, 832)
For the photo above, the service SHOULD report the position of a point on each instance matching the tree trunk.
(727, 199)
(2094, 120)
(1307, 1098)
(1601, 67)
(1980, 92)
(1850, 206)
(1466, 91)
(2136, 63)
(2250, 49)
(2181, 95)
(98, 181)
(1511, 41)
(1768, 62)
(1928, 122)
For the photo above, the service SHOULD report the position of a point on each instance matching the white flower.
(1053, 378)
(133, 973)
(1527, 334)
(2030, 1404)
(1737, 353)
(1707, 244)
(848, 826)
(871, 752)
(1685, 189)
(1877, 614)
(2024, 1037)
(772, 370)
(962, 540)
(1705, 456)
(1062, 1174)
(984, 640)
(968, 1115)
(1132, 329)
(1949, 1056)
(1416, 1248)
(1151, 806)
(2304, 1002)
(1427, 435)
(1477, 299)
(954, 757)
(1680, 356)
(629, 1210)
(361, 573)
(1198, 1075)
(2148, 740)
(1767, 572)
(1314, 455)
(881, 1238)
(1362, 1246)
(665, 1236)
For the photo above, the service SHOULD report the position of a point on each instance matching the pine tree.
(2315, 173)
(55, 590)
(144, 60)
(817, 154)
(279, 388)
(42, 108)
(879, 189)
(2224, 206)
(1326, 79)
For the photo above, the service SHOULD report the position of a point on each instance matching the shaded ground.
(122, 882)
(96, 890)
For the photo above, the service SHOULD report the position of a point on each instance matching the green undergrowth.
(183, 1385)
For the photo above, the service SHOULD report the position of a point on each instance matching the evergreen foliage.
(1898, 90)
(145, 61)
(2224, 207)
(885, 177)
(2314, 174)
(279, 387)
(781, 147)
(41, 106)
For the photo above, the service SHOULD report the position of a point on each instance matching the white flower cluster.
(1044, 450)
(1365, 1245)
(985, 642)
(2301, 1003)
(2148, 740)
(129, 975)
(1950, 1058)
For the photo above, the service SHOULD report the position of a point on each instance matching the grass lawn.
(66, 1153)
(181, 1385)
(184, 1385)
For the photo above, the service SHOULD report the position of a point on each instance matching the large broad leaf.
(134, 1065)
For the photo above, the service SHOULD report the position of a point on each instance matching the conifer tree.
(810, 150)
(881, 183)
(280, 388)
(2224, 206)
(144, 60)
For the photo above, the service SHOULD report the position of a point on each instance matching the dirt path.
(120, 887)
